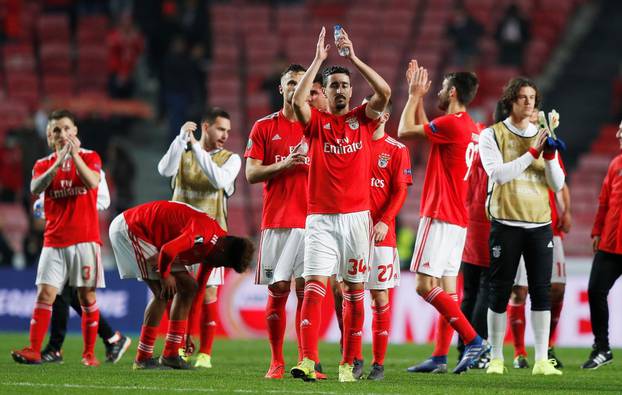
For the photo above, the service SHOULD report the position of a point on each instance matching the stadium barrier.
(241, 309)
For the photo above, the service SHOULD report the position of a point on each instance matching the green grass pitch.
(239, 367)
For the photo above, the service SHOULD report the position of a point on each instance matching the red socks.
(380, 328)
(39, 325)
(209, 315)
(310, 318)
(444, 333)
(353, 317)
(174, 338)
(516, 316)
(90, 324)
(148, 336)
(450, 310)
(300, 296)
(275, 318)
(556, 311)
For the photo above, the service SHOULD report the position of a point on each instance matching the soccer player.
(391, 175)
(516, 307)
(338, 224)
(475, 258)
(520, 213)
(204, 174)
(442, 230)
(275, 156)
(154, 242)
(317, 98)
(71, 249)
(115, 343)
(607, 267)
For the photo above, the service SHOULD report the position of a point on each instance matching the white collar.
(530, 131)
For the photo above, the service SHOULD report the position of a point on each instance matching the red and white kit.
(390, 168)
(442, 228)
(338, 226)
(281, 247)
(71, 246)
(154, 239)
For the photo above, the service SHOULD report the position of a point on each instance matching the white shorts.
(558, 275)
(438, 249)
(281, 255)
(132, 254)
(342, 240)
(385, 269)
(79, 265)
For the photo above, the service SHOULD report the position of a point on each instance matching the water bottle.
(338, 35)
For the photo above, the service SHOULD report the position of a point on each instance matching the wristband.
(534, 153)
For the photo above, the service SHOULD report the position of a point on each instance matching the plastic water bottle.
(338, 35)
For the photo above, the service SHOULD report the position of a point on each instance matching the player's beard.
(340, 104)
(443, 103)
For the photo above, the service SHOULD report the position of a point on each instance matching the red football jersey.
(179, 231)
(390, 166)
(70, 207)
(340, 150)
(454, 144)
(271, 140)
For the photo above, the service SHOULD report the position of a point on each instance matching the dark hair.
(319, 79)
(62, 113)
(333, 70)
(511, 89)
(239, 253)
(212, 113)
(294, 67)
(466, 85)
(500, 114)
(388, 108)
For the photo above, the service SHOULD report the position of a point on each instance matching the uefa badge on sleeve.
(496, 251)
(383, 160)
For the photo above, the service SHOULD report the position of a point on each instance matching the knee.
(540, 297)
(86, 296)
(211, 294)
(379, 297)
(519, 295)
(349, 287)
(280, 287)
(557, 293)
(46, 294)
(424, 284)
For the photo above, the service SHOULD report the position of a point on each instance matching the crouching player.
(154, 242)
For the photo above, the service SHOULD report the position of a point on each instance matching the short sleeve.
(442, 130)
(93, 161)
(403, 172)
(255, 146)
(315, 123)
(39, 168)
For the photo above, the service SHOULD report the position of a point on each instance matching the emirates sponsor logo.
(343, 149)
(67, 192)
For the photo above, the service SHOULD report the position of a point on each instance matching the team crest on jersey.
(383, 160)
(66, 166)
(353, 123)
(496, 251)
(269, 273)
